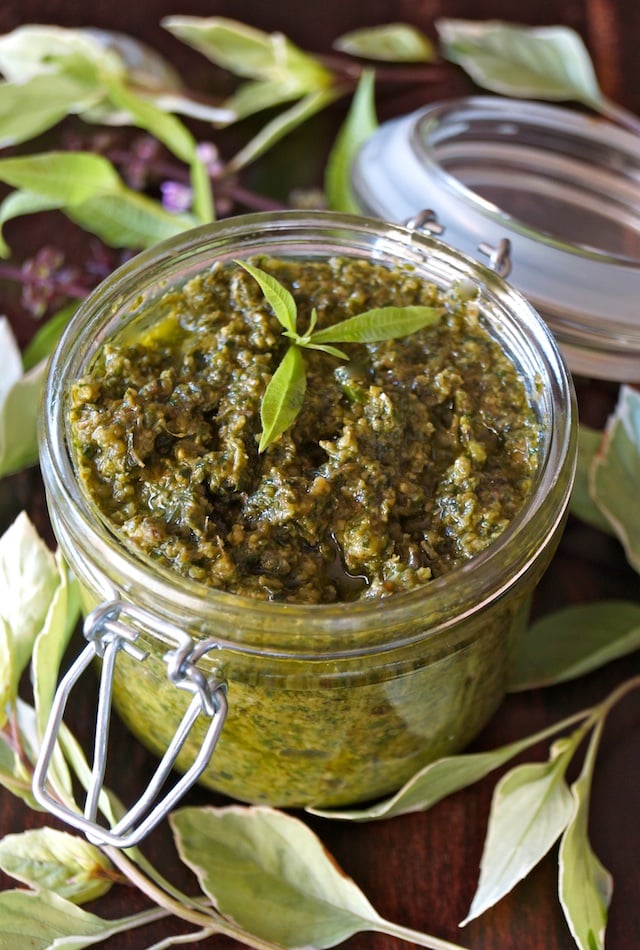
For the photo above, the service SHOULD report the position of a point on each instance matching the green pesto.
(403, 463)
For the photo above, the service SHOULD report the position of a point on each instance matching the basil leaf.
(59, 862)
(65, 177)
(548, 62)
(162, 125)
(247, 51)
(277, 296)
(52, 640)
(574, 641)
(360, 124)
(585, 886)
(30, 108)
(270, 874)
(582, 504)
(393, 42)
(44, 921)
(531, 807)
(383, 323)
(260, 94)
(18, 421)
(18, 203)
(283, 397)
(37, 49)
(615, 473)
(44, 340)
(14, 777)
(282, 124)
(126, 218)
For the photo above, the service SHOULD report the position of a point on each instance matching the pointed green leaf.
(277, 296)
(28, 581)
(52, 641)
(56, 861)
(19, 406)
(126, 218)
(394, 42)
(582, 504)
(30, 736)
(282, 124)
(41, 49)
(254, 96)
(548, 62)
(44, 340)
(585, 886)
(615, 473)
(66, 177)
(247, 51)
(271, 875)
(14, 777)
(384, 323)
(283, 397)
(18, 203)
(360, 123)
(44, 921)
(30, 108)
(574, 641)
(161, 125)
(531, 807)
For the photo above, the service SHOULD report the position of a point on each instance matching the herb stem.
(618, 114)
(416, 937)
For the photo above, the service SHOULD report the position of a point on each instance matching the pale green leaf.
(14, 777)
(42, 343)
(18, 421)
(30, 743)
(278, 297)
(283, 124)
(7, 671)
(435, 782)
(126, 218)
(360, 123)
(161, 125)
(615, 473)
(28, 581)
(582, 504)
(384, 323)
(283, 396)
(575, 640)
(52, 641)
(56, 861)
(18, 203)
(30, 108)
(547, 62)
(66, 177)
(144, 66)
(247, 51)
(585, 886)
(270, 874)
(393, 42)
(41, 49)
(531, 807)
(254, 96)
(44, 921)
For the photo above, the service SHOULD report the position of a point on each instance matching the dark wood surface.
(419, 870)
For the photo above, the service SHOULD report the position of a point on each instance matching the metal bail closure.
(425, 220)
(499, 257)
(108, 630)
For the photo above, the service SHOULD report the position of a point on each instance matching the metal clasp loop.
(111, 627)
(425, 220)
(499, 257)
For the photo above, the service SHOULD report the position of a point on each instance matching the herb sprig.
(284, 395)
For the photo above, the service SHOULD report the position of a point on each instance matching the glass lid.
(561, 186)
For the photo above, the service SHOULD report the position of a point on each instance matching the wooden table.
(419, 870)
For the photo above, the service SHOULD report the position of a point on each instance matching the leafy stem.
(284, 395)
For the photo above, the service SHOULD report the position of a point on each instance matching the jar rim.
(543, 176)
(100, 555)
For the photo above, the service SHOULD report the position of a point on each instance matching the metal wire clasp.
(111, 627)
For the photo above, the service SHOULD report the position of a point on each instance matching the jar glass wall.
(328, 704)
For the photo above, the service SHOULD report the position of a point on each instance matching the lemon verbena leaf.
(283, 397)
(383, 323)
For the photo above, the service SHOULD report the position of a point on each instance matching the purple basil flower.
(176, 197)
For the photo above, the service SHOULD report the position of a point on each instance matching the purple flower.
(176, 197)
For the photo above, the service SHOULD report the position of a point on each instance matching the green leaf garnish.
(390, 42)
(284, 395)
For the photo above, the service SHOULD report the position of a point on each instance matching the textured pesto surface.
(403, 463)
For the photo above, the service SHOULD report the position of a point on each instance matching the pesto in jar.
(404, 462)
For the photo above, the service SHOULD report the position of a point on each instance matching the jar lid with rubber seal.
(562, 187)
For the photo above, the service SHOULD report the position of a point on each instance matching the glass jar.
(327, 704)
(560, 185)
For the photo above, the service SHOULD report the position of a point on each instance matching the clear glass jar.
(327, 704)
(560, 185)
